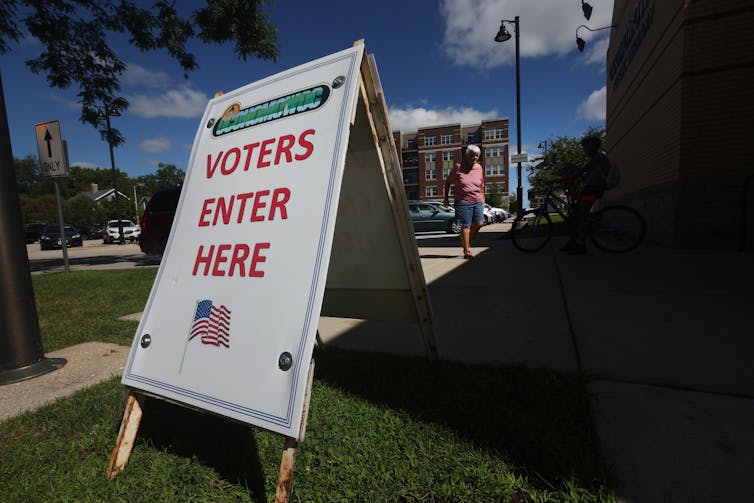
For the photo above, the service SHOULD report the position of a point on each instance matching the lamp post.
(110, 112)
(580, 43)
(543, 145)
(502, 36)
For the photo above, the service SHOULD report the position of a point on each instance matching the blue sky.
(437, 60)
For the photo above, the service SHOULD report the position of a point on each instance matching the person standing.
(594, 178)
(467, 179)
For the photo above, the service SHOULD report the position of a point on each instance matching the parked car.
(498, 214)
(50, 237)
(157, 220)
(89, 231)
(33, 231)
(131, 231)
(432, 217)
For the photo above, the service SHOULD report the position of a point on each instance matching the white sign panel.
(522, 157)
(52, 154)
(231, 321)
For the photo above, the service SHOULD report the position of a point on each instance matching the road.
(93, 255)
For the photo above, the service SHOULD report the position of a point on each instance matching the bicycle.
(614, 229)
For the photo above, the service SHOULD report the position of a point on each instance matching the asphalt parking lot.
(93, 255)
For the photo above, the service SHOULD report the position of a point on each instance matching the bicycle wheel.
(617, 229)
(532, 232)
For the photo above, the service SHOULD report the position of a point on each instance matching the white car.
(131, 231)
(495, 214)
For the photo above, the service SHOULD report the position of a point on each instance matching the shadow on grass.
(227, 446)
(538, 420)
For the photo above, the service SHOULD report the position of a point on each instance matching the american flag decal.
(211, 324)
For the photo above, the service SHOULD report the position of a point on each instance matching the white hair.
(474, 148)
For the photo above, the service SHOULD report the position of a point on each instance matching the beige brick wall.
(681, 120)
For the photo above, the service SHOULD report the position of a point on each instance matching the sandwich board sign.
(231, 321)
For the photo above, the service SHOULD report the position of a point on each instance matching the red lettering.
(240, 253)
(224, 209)
(220, 259)
(205, 211)
(258, 205)
(264, 151)
(284, 147)
(210, 166)
(249, 151)
(258, 257)
(308, 146)
(243, 198)
(237, 154)
(203, 259)
(279, 198)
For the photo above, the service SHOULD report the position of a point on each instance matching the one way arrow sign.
(52, 155)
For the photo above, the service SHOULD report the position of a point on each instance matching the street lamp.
(587, 9)
(502, 36)
(580, 43)
(113, 112)
(543, 145)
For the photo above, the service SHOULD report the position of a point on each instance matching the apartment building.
(428, 155)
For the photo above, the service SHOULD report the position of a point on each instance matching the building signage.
(522, 157)
(231, 321)
(637, 27)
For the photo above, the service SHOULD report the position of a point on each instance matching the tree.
(74, 34)
(167, 176)
(562, 154)
(495, 195)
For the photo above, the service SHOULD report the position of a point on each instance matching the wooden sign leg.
(129, 426)
(288, 460)
(286, 470)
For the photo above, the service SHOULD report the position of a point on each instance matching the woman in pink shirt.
(468, 193)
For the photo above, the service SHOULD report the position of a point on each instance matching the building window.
(494, 134)
(448, 156)
(493, 169)
(430, 157)
(430, 140)
(446, 172)
(430, 191)
(446, 139)
(494, 152)
(411, 144)
(430, 174)
(472, 138)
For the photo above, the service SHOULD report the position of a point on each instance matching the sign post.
(267, 237)
(53, 157)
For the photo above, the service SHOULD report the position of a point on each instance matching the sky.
(437, 61)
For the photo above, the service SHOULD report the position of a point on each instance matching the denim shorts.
(467, 213)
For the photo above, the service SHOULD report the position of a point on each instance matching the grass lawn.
(381, 428)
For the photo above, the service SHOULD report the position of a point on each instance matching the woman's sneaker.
(467, 254)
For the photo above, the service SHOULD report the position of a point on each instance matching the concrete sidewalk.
(665, 335)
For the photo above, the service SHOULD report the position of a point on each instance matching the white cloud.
(137, 75)
(546, 27)
(411, 119)
(184, 103)
(594, 107)
(70, 104)
(155, 145)
(596, 51)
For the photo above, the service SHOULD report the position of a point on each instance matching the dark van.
(157, 220)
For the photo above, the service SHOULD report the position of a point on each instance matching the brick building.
(428, 155)
(680, 117)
